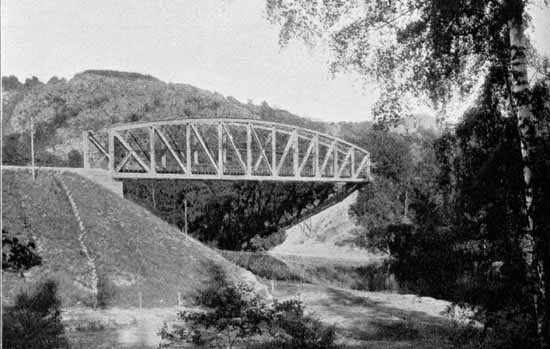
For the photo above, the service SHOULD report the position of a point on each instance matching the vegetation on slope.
(136, 251)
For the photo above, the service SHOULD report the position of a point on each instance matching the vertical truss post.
(296, 154)
(316, 158)
(85, 150)
(188, 147)
(274, 151)
(220, 149)
(152, 156)
(335, 159)
(352, 162)
(249, 149)
(111, 146)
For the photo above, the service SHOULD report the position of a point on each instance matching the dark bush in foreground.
(35, 320)
(17, 256)
(236, 315)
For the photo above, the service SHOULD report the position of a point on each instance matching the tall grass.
(263, 265)
(367, 277)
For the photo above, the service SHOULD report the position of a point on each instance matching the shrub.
(16, 256)
(235, 313)
(291, 328)
(35, 320)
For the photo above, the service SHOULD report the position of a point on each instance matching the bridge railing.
(230, 149)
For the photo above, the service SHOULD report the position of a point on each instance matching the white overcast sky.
(223, 46)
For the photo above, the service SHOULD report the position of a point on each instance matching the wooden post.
(140, 300)
(179, 299)
(85, 150)
(33, 171)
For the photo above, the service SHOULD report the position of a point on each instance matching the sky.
(226, 46)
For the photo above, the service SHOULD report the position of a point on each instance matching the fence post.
(140, 300)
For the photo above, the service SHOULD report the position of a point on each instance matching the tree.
(428, 49)
(17, 256)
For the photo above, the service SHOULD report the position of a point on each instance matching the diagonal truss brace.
(131, 153)
(170, 149)
(263, 155)
(207, 151)
(232, 142)
(312, 144)
(290, 143)
(364, 163)
(331, 149)
(345, 162)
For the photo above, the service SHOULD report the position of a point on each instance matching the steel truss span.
(224, 149)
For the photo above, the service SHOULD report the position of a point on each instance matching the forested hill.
(94, 99)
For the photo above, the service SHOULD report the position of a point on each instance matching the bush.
(236, 314)
(16, 256)
(35, 320)
(291, 328)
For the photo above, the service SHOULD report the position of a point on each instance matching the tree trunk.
(526, 124)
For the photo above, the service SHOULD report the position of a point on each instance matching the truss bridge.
(224, 149)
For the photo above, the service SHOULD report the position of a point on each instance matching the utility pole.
(32, 149)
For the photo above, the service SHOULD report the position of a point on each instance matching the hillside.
(95, 99)
(132, 249)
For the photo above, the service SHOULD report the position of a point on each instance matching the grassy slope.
(39, 210)
(137, 251)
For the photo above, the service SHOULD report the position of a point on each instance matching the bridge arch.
(225, 149)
